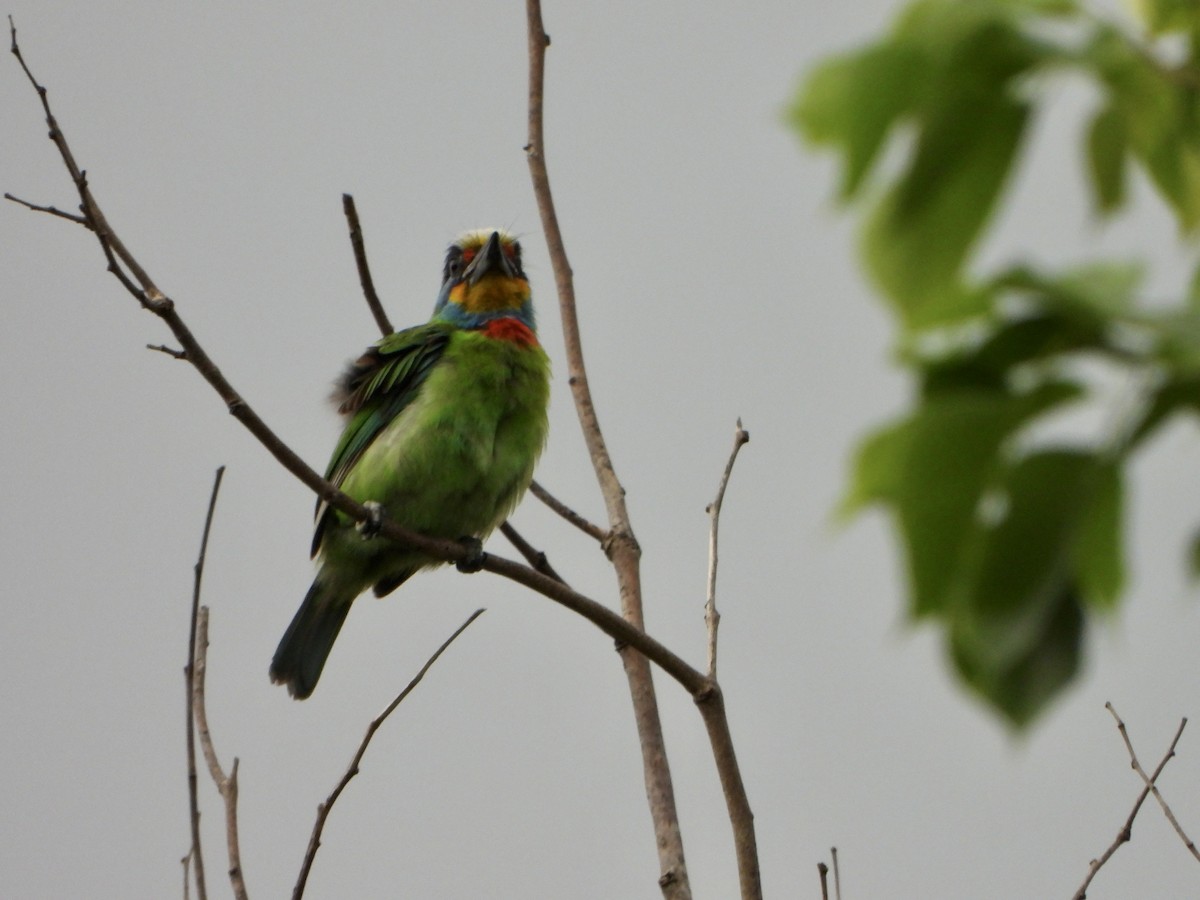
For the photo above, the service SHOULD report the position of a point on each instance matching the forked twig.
(187, 877)
(189, 677)
(535, 557)
(586, 526)
(49, 210)
(620, 545)
(622, 548)
(227, 785)
(712, 618)
(1126, 832)
(1150, 783)
(314, 842)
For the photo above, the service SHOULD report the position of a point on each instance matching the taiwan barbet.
(444, 423)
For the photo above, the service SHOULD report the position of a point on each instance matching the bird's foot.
(475, 557)
(370, 526)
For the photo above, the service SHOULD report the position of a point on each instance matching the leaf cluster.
(1013, 538)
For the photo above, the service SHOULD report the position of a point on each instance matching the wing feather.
(375, 389)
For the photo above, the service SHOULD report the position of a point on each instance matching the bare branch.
(533, 556)
(51, 210)
(187, 880)
(1151, 786)
(314, 842)
(189, 677)
(823, 873)
(1126, 832)
(169, 351)
(584, 525)
(621, 546)
(712, 618)
(364, 271)
(837, 876)
(227, 786)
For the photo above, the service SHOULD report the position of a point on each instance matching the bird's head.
(483, 281)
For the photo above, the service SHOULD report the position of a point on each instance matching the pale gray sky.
(714, 281)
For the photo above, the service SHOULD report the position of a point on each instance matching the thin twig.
(1126, 832)
(621, 545)
(189, 677)
(1137, 767)
(170, 351)
(535, 557)
(364, 271)
(837, 875)
(712, 618)
(314, 842)
(187, 880)
(583, 524)
(227, 785)
(51, 210)
(823, 872)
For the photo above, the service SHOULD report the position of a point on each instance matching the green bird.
(444, 423)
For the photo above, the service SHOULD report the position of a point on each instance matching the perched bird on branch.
(444, 423)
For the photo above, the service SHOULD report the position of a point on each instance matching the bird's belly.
(451, 469)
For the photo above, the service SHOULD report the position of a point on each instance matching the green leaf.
(853, 101)
(1158, 115)
(1022, 689)
(1012, 344)
(1194, 558)
(1193, 295)
(1178, 333)
(1015, 570)
(917, 240)
(1177, 394)
(932, 470)
(1106, 160)
(1097, 555)
(1091, 294)
(1165, 16)
(1015, 619)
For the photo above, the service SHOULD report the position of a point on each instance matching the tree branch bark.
(622, 546)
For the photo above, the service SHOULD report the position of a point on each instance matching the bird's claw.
(370, 526)
(475, 557)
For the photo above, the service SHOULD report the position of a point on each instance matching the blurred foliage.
(1012, 541)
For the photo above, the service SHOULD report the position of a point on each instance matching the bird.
(444, 423)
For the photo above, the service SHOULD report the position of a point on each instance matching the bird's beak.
(490, 258)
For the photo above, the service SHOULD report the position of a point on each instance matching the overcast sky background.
(715, 280)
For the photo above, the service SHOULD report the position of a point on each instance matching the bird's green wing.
(374, 390)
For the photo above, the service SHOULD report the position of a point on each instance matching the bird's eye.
(454, 266)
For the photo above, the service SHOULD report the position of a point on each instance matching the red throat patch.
(513, 330)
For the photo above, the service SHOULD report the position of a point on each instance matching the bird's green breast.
(455, 461)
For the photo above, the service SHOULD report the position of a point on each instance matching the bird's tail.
(305, 646)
